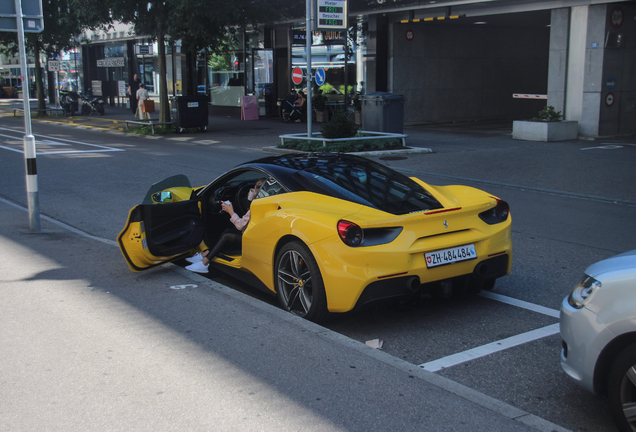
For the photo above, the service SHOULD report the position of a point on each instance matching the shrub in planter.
(548, 126)
(338, 127)
(548, 114)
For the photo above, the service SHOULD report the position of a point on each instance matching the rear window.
(369, 183)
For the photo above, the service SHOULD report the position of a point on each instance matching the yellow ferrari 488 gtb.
(329, 232)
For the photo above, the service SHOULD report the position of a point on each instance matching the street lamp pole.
(29, 139)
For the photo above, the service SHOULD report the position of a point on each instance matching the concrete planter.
(322, 116)
(365, 136)
(545, 131)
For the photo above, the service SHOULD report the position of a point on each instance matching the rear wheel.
(299, 285)
(621, 389)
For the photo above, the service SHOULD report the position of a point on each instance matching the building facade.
(452, 61)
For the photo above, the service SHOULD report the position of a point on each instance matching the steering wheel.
(216, 199)
(241, 204)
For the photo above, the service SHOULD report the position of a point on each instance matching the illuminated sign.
(330, 14)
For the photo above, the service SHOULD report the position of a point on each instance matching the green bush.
(343, 147)
(327, 88)
(548, 114)
(338, 127)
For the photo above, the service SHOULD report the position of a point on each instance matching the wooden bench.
(49, 110)
(150, 123)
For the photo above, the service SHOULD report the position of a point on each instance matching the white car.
(598, 327)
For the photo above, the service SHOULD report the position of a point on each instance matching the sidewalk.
(267, 129)
(90, 345)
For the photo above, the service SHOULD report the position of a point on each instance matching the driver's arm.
(240, 222)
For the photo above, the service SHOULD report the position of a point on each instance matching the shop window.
(226, 68)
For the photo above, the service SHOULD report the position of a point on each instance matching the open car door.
(164, 227)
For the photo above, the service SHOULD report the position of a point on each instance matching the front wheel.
(299, 285)
(100, 109)
(86, 110)
(621, 389)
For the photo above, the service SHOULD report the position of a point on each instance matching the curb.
(410, 150)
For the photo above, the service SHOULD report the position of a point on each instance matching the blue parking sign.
(320, 76)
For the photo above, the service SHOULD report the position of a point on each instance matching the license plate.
(449, 256)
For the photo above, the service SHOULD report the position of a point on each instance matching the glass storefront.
(253, 61)
(337, 53)
(226, 72)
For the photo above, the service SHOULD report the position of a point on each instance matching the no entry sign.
(297, 75)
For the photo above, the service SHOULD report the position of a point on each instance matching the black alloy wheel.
(299, 285)
(621, 389)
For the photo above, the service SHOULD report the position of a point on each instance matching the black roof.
(352, 178)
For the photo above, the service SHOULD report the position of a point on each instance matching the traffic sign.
(331, 14)
(609, 99)
(297, 75)
(31, 16)
(54, 66)
(320, 76)
(618, 17)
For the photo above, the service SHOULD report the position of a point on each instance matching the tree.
(63, 22)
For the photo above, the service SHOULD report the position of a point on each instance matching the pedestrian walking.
(132, 93)
(142, 95)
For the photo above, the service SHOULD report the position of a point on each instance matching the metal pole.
(57, 88)
(29, 139)
(308, 21)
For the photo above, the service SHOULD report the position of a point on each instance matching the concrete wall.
(468, 72)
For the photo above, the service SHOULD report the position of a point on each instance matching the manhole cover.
(392, 158)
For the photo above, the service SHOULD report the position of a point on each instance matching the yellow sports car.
(329, 232)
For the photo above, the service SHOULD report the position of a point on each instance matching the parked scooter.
(91, 105)
(69, 101)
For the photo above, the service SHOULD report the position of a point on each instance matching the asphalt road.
(572, 203)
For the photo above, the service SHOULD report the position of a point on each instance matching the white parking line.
(484, 350)
(520, 303)
(491, 348)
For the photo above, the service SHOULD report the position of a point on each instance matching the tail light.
(497, 214)
(350, 233)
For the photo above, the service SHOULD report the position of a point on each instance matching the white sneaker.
(198, 267)
(194, 258)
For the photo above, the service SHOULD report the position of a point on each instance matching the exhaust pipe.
(413, 283)
(481, 270)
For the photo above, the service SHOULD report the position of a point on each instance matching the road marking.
(484, 350)
(52, 141)
(520, 303)
(604, 147)
(491, 348)
(179, 287)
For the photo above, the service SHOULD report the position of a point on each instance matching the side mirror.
(162, 197)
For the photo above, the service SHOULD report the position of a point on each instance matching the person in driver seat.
(230, 237)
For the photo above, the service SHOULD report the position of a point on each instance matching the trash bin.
(189, 112)
(383, 112)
